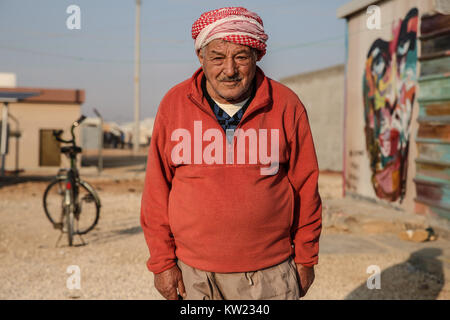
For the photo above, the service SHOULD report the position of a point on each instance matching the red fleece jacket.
(226, 216)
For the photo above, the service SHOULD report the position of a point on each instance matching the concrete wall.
(322, 93)
(359, 158)
(35, 116)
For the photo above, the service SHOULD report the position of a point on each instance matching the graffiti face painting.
(389, 89)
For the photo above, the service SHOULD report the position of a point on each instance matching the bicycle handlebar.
(57, 133)
(79, 121)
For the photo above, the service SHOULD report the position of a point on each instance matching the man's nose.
(230, 67)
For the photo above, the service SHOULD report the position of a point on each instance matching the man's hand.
(167, 283)
(306, 278)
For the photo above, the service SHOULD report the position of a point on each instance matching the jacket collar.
(262, 97)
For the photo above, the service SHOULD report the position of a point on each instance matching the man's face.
(229, 69)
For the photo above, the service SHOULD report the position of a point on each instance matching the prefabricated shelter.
(32, 120)
(397, 103)
(145, 131)
(91, 134)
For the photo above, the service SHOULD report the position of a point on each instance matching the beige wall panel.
(322, 93)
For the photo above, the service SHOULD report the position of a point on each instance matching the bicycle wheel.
(87, 208)
(53, 202)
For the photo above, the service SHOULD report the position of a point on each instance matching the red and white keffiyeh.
(234, 24)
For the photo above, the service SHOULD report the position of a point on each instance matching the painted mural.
(389, 89)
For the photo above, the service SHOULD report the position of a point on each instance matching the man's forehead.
(223, 46)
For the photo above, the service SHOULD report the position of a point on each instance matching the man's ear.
(200, 56)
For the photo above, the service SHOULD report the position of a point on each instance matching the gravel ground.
(112, 264)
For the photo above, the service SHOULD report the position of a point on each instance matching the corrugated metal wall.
(433, 137)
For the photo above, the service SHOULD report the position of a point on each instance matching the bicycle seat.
(71, 149)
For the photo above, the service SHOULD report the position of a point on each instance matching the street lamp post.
(4, 140)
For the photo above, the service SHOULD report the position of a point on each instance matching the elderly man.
(230, 207)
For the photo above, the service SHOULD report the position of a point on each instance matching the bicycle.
(67, 195)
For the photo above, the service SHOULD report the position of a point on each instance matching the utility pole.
(137, 62)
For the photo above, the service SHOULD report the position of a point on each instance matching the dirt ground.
(112, 263)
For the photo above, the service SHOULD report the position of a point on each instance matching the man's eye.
(217, 58)
(242, 58)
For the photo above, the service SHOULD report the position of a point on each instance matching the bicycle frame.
(75, 193)
(72, 178)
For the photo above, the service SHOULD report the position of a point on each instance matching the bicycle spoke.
(87, 210)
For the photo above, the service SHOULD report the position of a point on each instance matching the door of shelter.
(49, 149)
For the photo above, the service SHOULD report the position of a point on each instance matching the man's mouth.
(230, 82)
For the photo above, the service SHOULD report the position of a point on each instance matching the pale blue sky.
(36, 45)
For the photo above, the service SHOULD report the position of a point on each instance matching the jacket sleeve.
(154, 203)
(303, 173)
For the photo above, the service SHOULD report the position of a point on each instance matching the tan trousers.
(279, 282)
